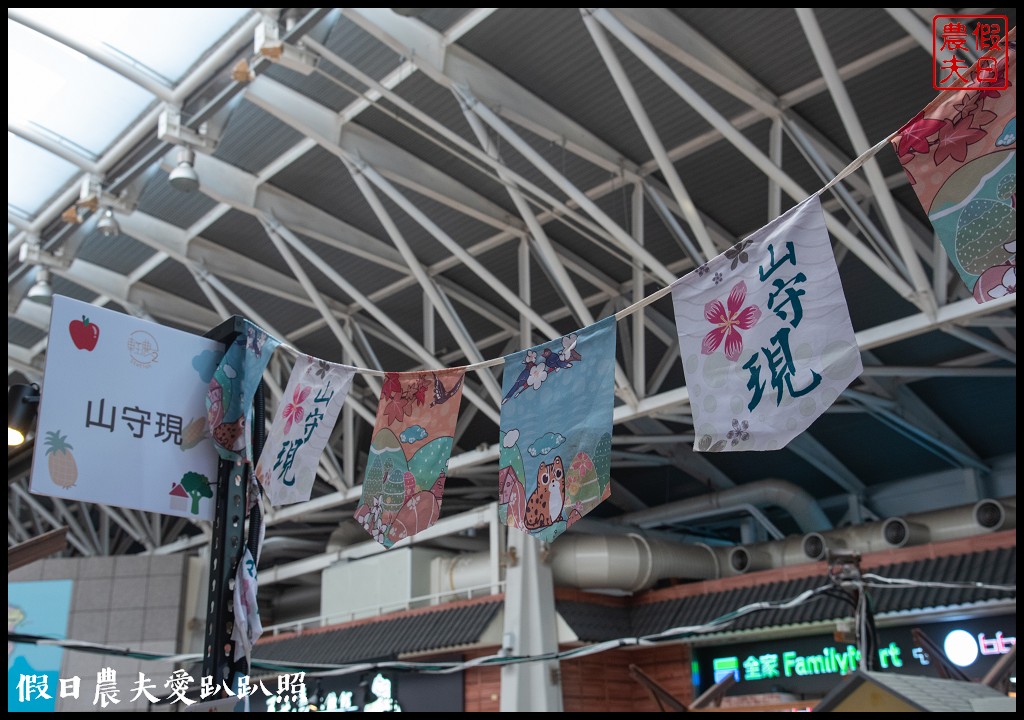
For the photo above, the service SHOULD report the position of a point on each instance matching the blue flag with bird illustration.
(556, 431)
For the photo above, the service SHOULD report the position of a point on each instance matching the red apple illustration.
(84, 334)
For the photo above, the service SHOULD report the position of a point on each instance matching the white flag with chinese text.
(765, 335)
(301, 428)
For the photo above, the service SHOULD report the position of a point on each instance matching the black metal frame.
(230, 537)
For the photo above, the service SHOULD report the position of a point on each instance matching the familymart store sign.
(811, 665)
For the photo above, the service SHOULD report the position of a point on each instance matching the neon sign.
(965, 644)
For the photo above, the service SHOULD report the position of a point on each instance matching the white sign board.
(122, 419)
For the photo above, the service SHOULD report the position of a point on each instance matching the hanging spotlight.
(22, 404)
(108, 224)
(41, 292)
(184, 176)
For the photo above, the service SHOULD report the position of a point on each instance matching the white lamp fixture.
(41, 292)
(108, 224)
(184, 176)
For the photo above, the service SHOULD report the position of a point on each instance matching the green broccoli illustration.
(198, 487)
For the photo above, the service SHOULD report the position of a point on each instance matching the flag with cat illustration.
(556, 431)
(301, 428)
(765, 335)
(412, 441)
(960, 156)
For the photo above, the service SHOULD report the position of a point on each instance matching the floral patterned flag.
(301, 428)
(960, 155)
(765, 335)
(247, 627)
(556, 431)
(412, 441)
(234, 383)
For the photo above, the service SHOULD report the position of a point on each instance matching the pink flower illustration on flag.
(728, 322)
(293, 411)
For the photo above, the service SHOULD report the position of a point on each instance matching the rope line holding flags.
(765, 339)
(653, 297)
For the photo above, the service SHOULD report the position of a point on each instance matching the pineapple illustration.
(61, 463)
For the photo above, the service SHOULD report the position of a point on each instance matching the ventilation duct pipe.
(949, 524)
(797, 502)
(748, 559)
(900, 532)
(628, 562)
(599, 562)
(764, 556)
(984, 516)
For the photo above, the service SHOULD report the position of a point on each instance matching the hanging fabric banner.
(960, 156)
(234, 383)
(247, 627)
(765, 335)
(412, 441)
(301, 428)
(556, 431)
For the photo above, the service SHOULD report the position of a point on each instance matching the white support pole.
(854, 129)
(523, 268)
(348, 428)
(940, 276)
(639, 355)
(651, 137)
(530, 628)
(105, 534)
(775, 155)
(748, 149)
(496, 536)
(429, 334)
